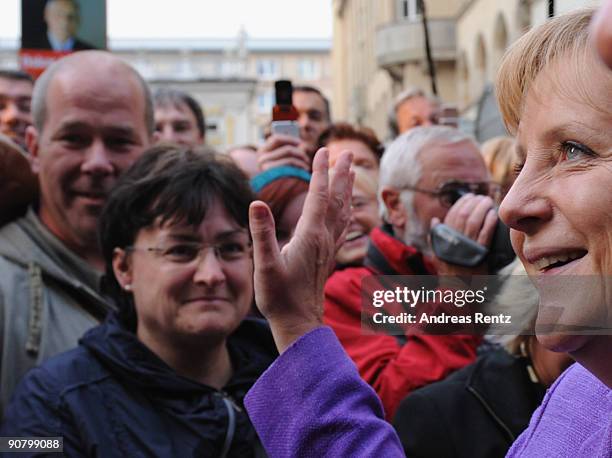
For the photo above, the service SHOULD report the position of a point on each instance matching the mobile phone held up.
(284, 114)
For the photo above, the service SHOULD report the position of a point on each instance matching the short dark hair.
(168, 96)
(312, 89)
(16, 75)
(167, 184)
(345, 131)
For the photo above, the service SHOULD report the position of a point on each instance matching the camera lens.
(453, 195)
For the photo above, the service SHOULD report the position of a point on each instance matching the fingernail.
(258, 211)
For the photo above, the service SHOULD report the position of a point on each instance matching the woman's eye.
(231, 248)
(573, 151)
(182, 252)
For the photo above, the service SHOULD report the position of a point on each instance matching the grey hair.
(41, 88)
(406, 94)
(400, 165)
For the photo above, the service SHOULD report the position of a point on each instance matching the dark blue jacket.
(113, 397)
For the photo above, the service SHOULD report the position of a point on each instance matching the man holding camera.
(427, 175)
(313, 118)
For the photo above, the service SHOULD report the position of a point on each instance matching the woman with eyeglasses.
(167, 373)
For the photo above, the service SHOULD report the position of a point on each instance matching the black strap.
(377, 262)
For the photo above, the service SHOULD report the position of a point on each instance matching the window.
(265, 101)
(410, 9)
(232, 67)
(267, 69)
(308, 69)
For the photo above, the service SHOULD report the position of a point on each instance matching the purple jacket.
(574, 420)
(312, 402)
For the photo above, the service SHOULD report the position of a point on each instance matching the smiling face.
(364, 218)
(178, 298)
(560, 207)
(94, 129)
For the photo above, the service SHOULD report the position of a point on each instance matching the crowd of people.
(160, 298)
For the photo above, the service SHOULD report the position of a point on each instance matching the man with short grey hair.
(93, 118)
(422, 173)
(412, 108)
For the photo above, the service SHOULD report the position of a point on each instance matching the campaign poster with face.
(51, 29)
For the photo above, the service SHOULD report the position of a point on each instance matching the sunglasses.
(451, 191)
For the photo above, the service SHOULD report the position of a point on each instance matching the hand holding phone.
(284, 146)
(284, 114)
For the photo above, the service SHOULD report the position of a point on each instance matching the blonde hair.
(499, 155)
(365, 182)
(563, 36)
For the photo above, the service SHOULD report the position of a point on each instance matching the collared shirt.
(57, 45)
(67, 259)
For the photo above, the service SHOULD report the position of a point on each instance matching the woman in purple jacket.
(556, 96)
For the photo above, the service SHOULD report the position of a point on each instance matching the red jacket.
(393, 366)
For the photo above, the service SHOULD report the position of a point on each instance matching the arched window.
(463, 71)
(500, 37)
(523, 16)
(480, 61)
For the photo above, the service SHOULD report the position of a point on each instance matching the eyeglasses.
(187, 252)
(451, 191)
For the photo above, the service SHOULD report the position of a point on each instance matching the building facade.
(379, 50)
(233, 79)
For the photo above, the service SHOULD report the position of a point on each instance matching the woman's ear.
(122, 268)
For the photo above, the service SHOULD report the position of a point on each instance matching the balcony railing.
(404, 41)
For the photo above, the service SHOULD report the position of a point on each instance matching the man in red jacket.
(420, 174)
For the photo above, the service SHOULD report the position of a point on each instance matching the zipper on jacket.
(231, 422)
(32, 345)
